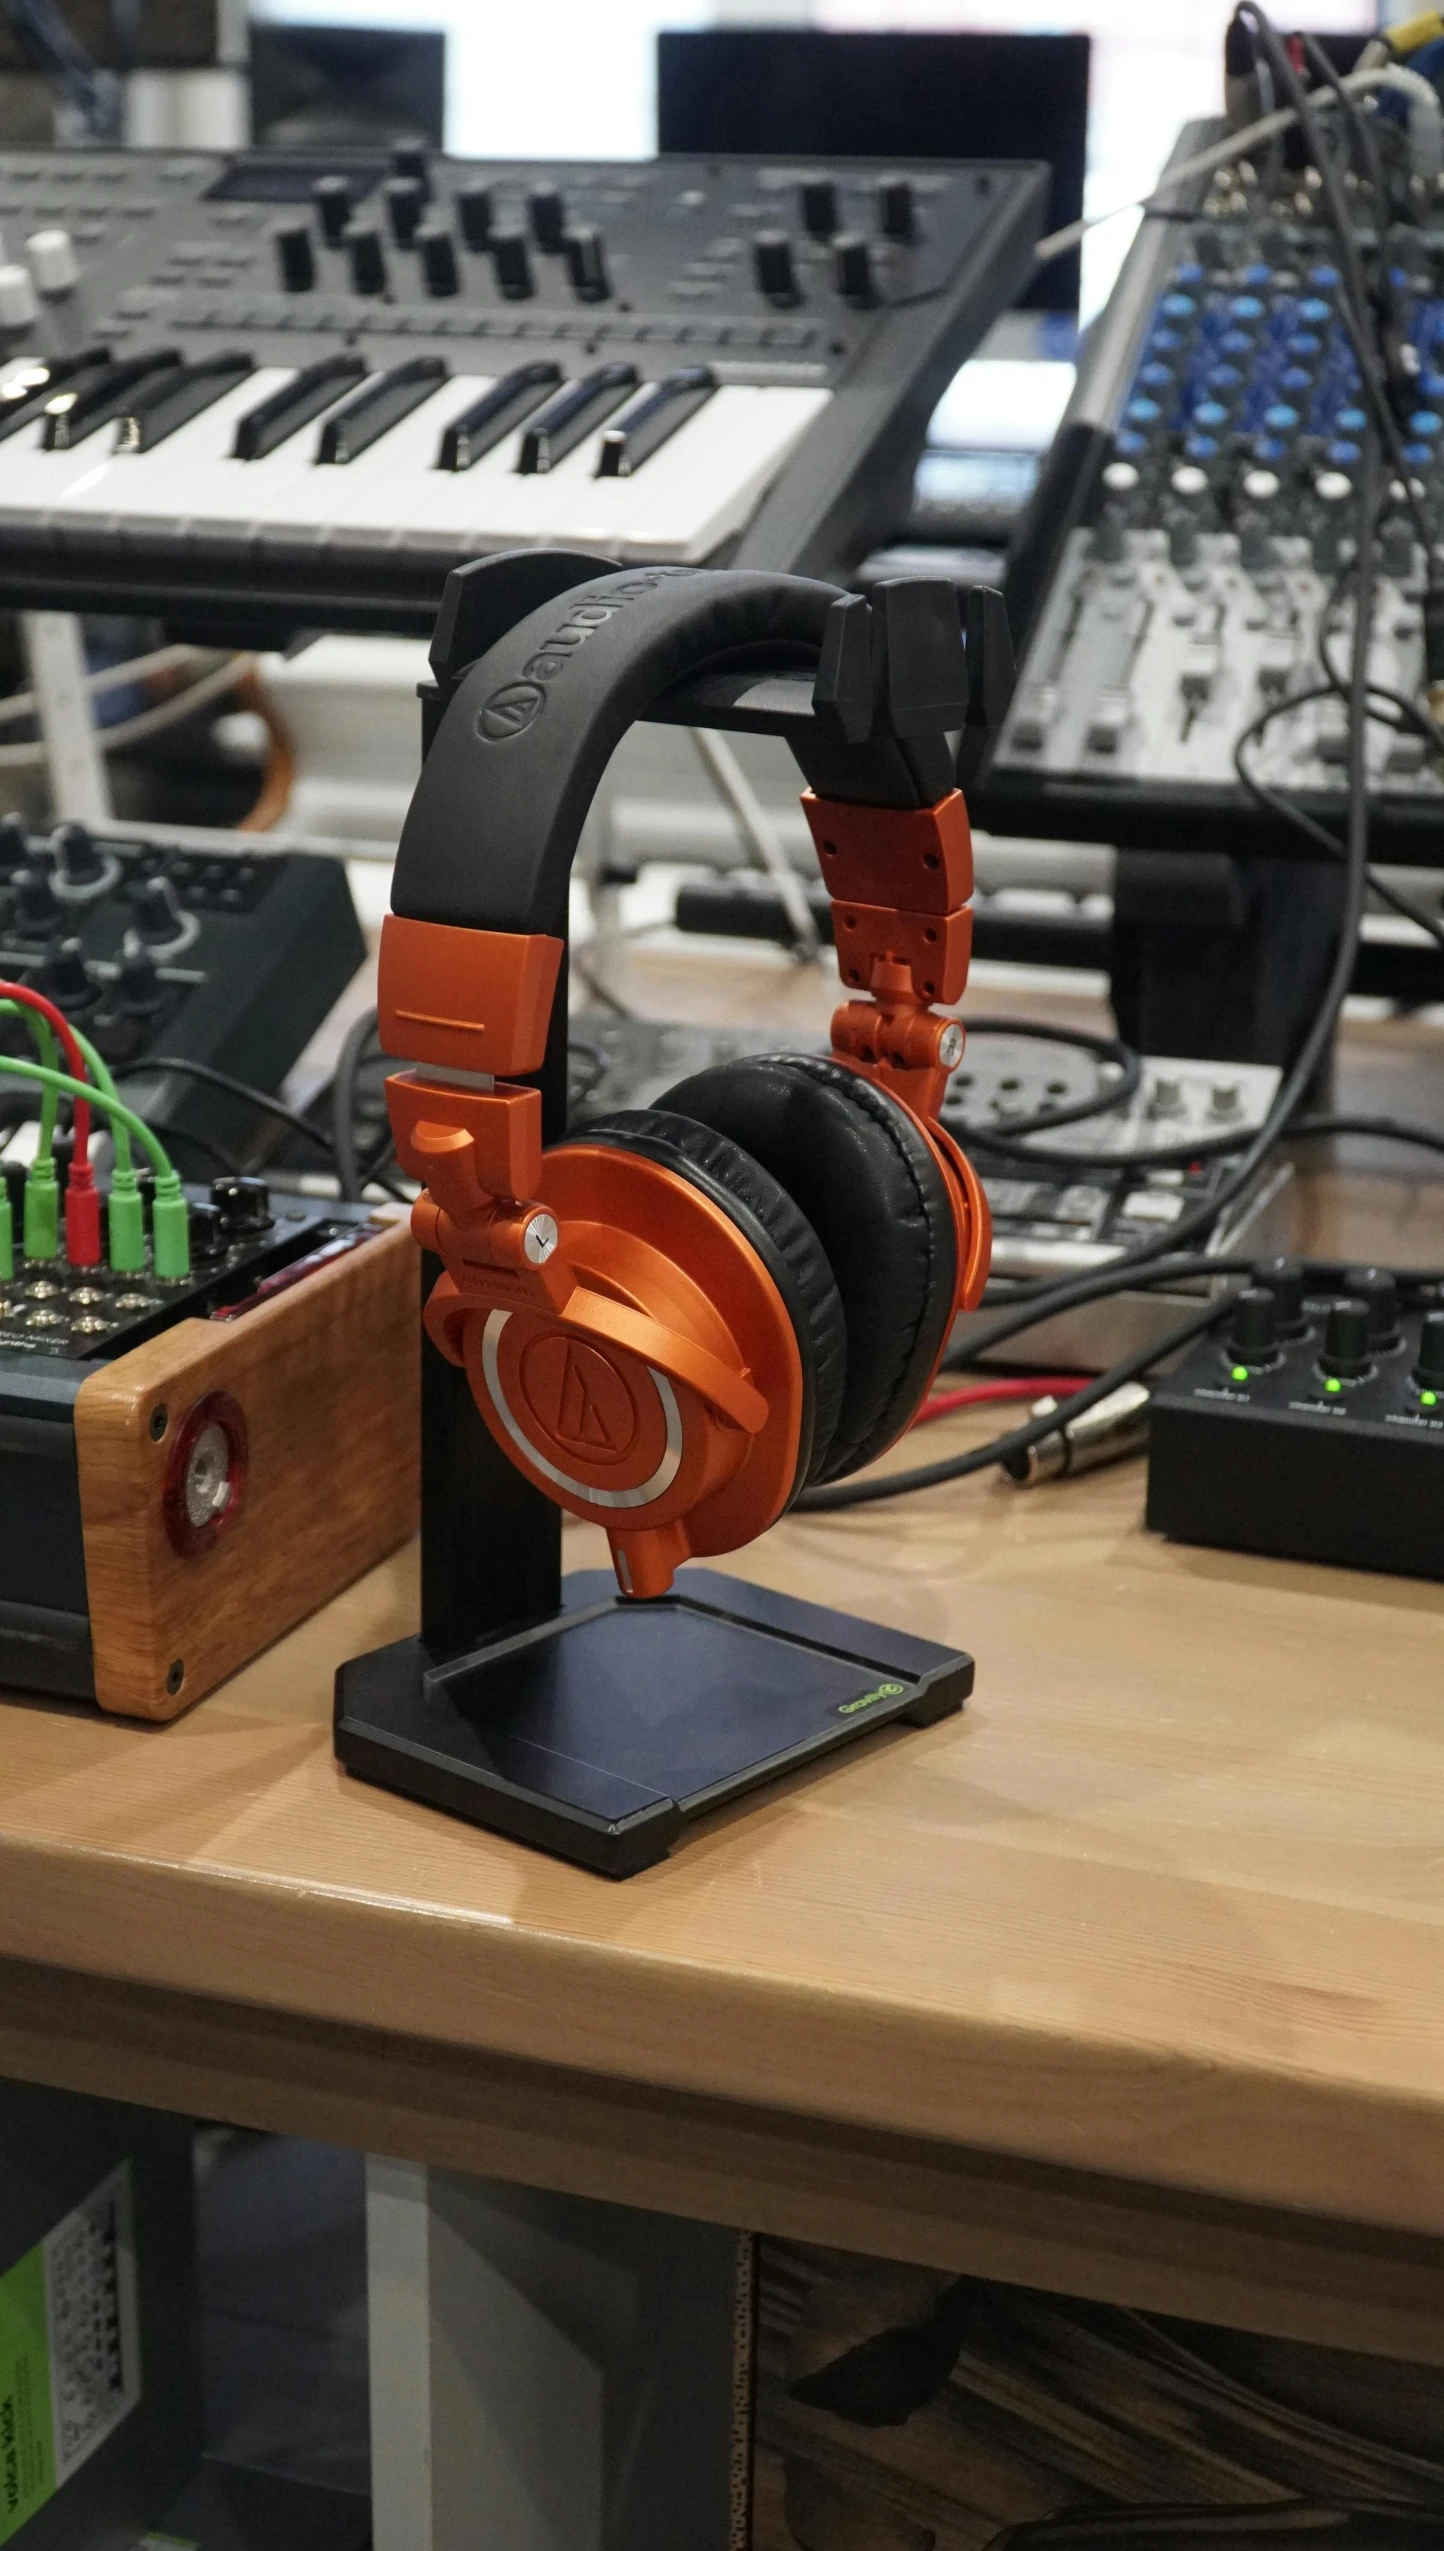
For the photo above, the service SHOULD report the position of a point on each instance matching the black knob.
(548, 209)
(819, 207)
(511, 261)
(1284, 1279)
(14, 845)
(368, 258)
(774, 267)
(1376, 1287)
(159, 917)
(897, 210)
(138, 986)
(37, 910)
(440, 271)
(1252, 1335)
(68, 979)
(586, 257)
(405, 204)
(473, 211)
(76, 857)
(332, 199)
(1346, 1341)
(411, 159)
(208, 1234)
(296, 258)
(244, 1205)
(1429, 1371)
(852, 267)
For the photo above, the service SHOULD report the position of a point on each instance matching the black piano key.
(265, 428)
(658, 413)
(380, 405)
(572, 415)
(24, 396)
(161, 406)
(72, 414)
(483, 425)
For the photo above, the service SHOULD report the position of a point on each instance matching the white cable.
(1426, 118)
(111, 677)
(136, 730)
(1234, 146)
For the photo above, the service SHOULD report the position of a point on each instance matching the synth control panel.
(1204, 502)
(224, 957)
(320, 383)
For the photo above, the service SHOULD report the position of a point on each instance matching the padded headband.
(504, 791)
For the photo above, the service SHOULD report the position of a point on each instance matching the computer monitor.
(315, 87)
(784, 90)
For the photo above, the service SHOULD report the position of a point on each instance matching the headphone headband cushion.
(779, 1232)
(873, 1190)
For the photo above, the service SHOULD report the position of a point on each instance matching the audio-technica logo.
(509, 711)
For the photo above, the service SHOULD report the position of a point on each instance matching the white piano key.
(367, 498)
(701, 487)
(33, 480)
(495, 506)
(175, 483)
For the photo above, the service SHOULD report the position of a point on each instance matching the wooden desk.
(1130, 1982)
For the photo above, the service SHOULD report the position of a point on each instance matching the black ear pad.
(874, 1193)
(783, 1239)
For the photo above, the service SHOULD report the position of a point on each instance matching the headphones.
(676, 1320)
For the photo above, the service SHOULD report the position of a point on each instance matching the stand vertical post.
(491, 1543)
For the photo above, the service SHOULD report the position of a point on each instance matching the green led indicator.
(1240, 1373)
(1428, 1399)
(1333, 1386)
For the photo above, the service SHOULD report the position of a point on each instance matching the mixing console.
(1186, 546)
(317, 385)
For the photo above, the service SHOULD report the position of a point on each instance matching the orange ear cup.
(653, 1383)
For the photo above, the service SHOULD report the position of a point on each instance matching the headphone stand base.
(599, 1734)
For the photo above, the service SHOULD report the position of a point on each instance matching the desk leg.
(551, 2374)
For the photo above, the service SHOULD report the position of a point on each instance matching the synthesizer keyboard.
(1187, 537)
(313, 386)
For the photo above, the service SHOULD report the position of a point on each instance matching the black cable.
(1354, 303)
(206, 1072)
(1121, 1275)
(1389, 1129)
(343, 1104)
(224, 1160)
(1284, 810)
(1108, 1049)
(902, 1483)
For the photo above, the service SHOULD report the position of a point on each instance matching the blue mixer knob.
(1281, 419)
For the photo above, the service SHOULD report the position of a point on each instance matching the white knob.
(53, 261)
(18, 304)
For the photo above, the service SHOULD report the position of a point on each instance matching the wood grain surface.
(1155, 1931)
(326, 1379)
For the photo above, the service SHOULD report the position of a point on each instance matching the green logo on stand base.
(869, 1700)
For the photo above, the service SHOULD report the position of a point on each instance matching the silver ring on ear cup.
(611, 1500)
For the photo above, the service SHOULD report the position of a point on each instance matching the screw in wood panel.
(176, 1676)
(159, 1421)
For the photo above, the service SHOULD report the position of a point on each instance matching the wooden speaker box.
(184, 1505)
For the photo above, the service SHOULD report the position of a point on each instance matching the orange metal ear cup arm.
(901, 884)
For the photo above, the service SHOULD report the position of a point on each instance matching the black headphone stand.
(554, 1710)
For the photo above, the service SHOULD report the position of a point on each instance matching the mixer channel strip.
(283, 379)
